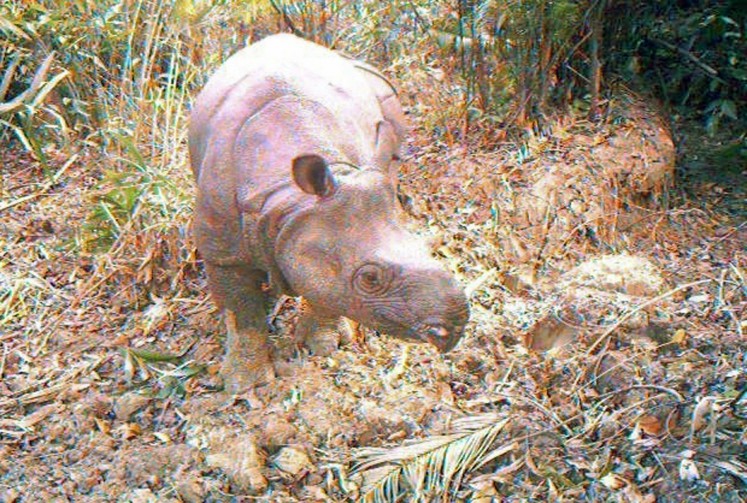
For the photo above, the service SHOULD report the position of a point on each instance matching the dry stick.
(17, 102)
(8, 76)
(88, 289)
(664, 389)
(619, 322)
(52, 325)
(611, 369)
(625, 410)
(732, 231)
(723, 304)
(2, 362)
(706, 68)
(552, 416)
(28, 397)
(44, 188)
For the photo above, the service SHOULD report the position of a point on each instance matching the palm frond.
(428, 469)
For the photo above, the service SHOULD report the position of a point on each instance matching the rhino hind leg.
(316, 330)
(238, 292)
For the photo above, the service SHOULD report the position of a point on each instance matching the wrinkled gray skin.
(292, 148)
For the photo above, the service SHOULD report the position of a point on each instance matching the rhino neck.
(269, 201)
(276, 213)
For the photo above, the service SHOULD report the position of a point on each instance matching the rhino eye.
(372, 279)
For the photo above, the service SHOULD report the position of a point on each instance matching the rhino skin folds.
(292, 147)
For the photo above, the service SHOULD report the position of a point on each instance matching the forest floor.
(109, 384)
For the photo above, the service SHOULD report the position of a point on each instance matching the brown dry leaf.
(550, 332)
(130, 431)
(679, 337)
(163, 437)
(129, 366)
(40, 414)
(701, 411)
(444, 393)
(634, 495)
(102, 425)
(613, 481)
(531, 465)
(483, 491)
(673, 418)
(552, 489)
(689, 470)
(650, 425)
(502, 475)
(128, 404)
(10, 496)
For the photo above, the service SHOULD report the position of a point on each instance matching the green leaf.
(729, 109)
(154, 356)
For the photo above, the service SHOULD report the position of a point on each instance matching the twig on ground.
(650, 302)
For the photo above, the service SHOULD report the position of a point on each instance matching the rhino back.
(270, 102)
(276, 66)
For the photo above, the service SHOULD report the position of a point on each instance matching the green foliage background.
(121, 73)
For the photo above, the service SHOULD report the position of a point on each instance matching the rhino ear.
(387, 142)
(312, 174)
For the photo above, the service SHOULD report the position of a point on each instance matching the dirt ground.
(109, 361)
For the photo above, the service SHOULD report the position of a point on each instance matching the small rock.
(292, 461)
(626, 274)
(10, 496)
(144, 495)
(191, 490)
(278, 431)
(128, 404)
(315, 493)
(238, 457)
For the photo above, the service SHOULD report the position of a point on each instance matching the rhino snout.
(442, 333)
(440, 337)
(441, 310)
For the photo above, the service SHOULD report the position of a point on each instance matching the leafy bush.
(118, 75)
(691, 53)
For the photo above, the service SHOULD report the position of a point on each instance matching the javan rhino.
(292, 146)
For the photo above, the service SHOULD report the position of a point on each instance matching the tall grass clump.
(124, 72)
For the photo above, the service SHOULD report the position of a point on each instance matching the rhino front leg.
(317, 330)
(238, 292)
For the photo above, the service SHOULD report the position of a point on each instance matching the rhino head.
(349, 254)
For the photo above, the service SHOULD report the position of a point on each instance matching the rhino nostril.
(441, 337)
(438, 332)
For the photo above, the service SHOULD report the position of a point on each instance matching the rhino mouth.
(444, 336)
(441, 337)
(436, 334)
